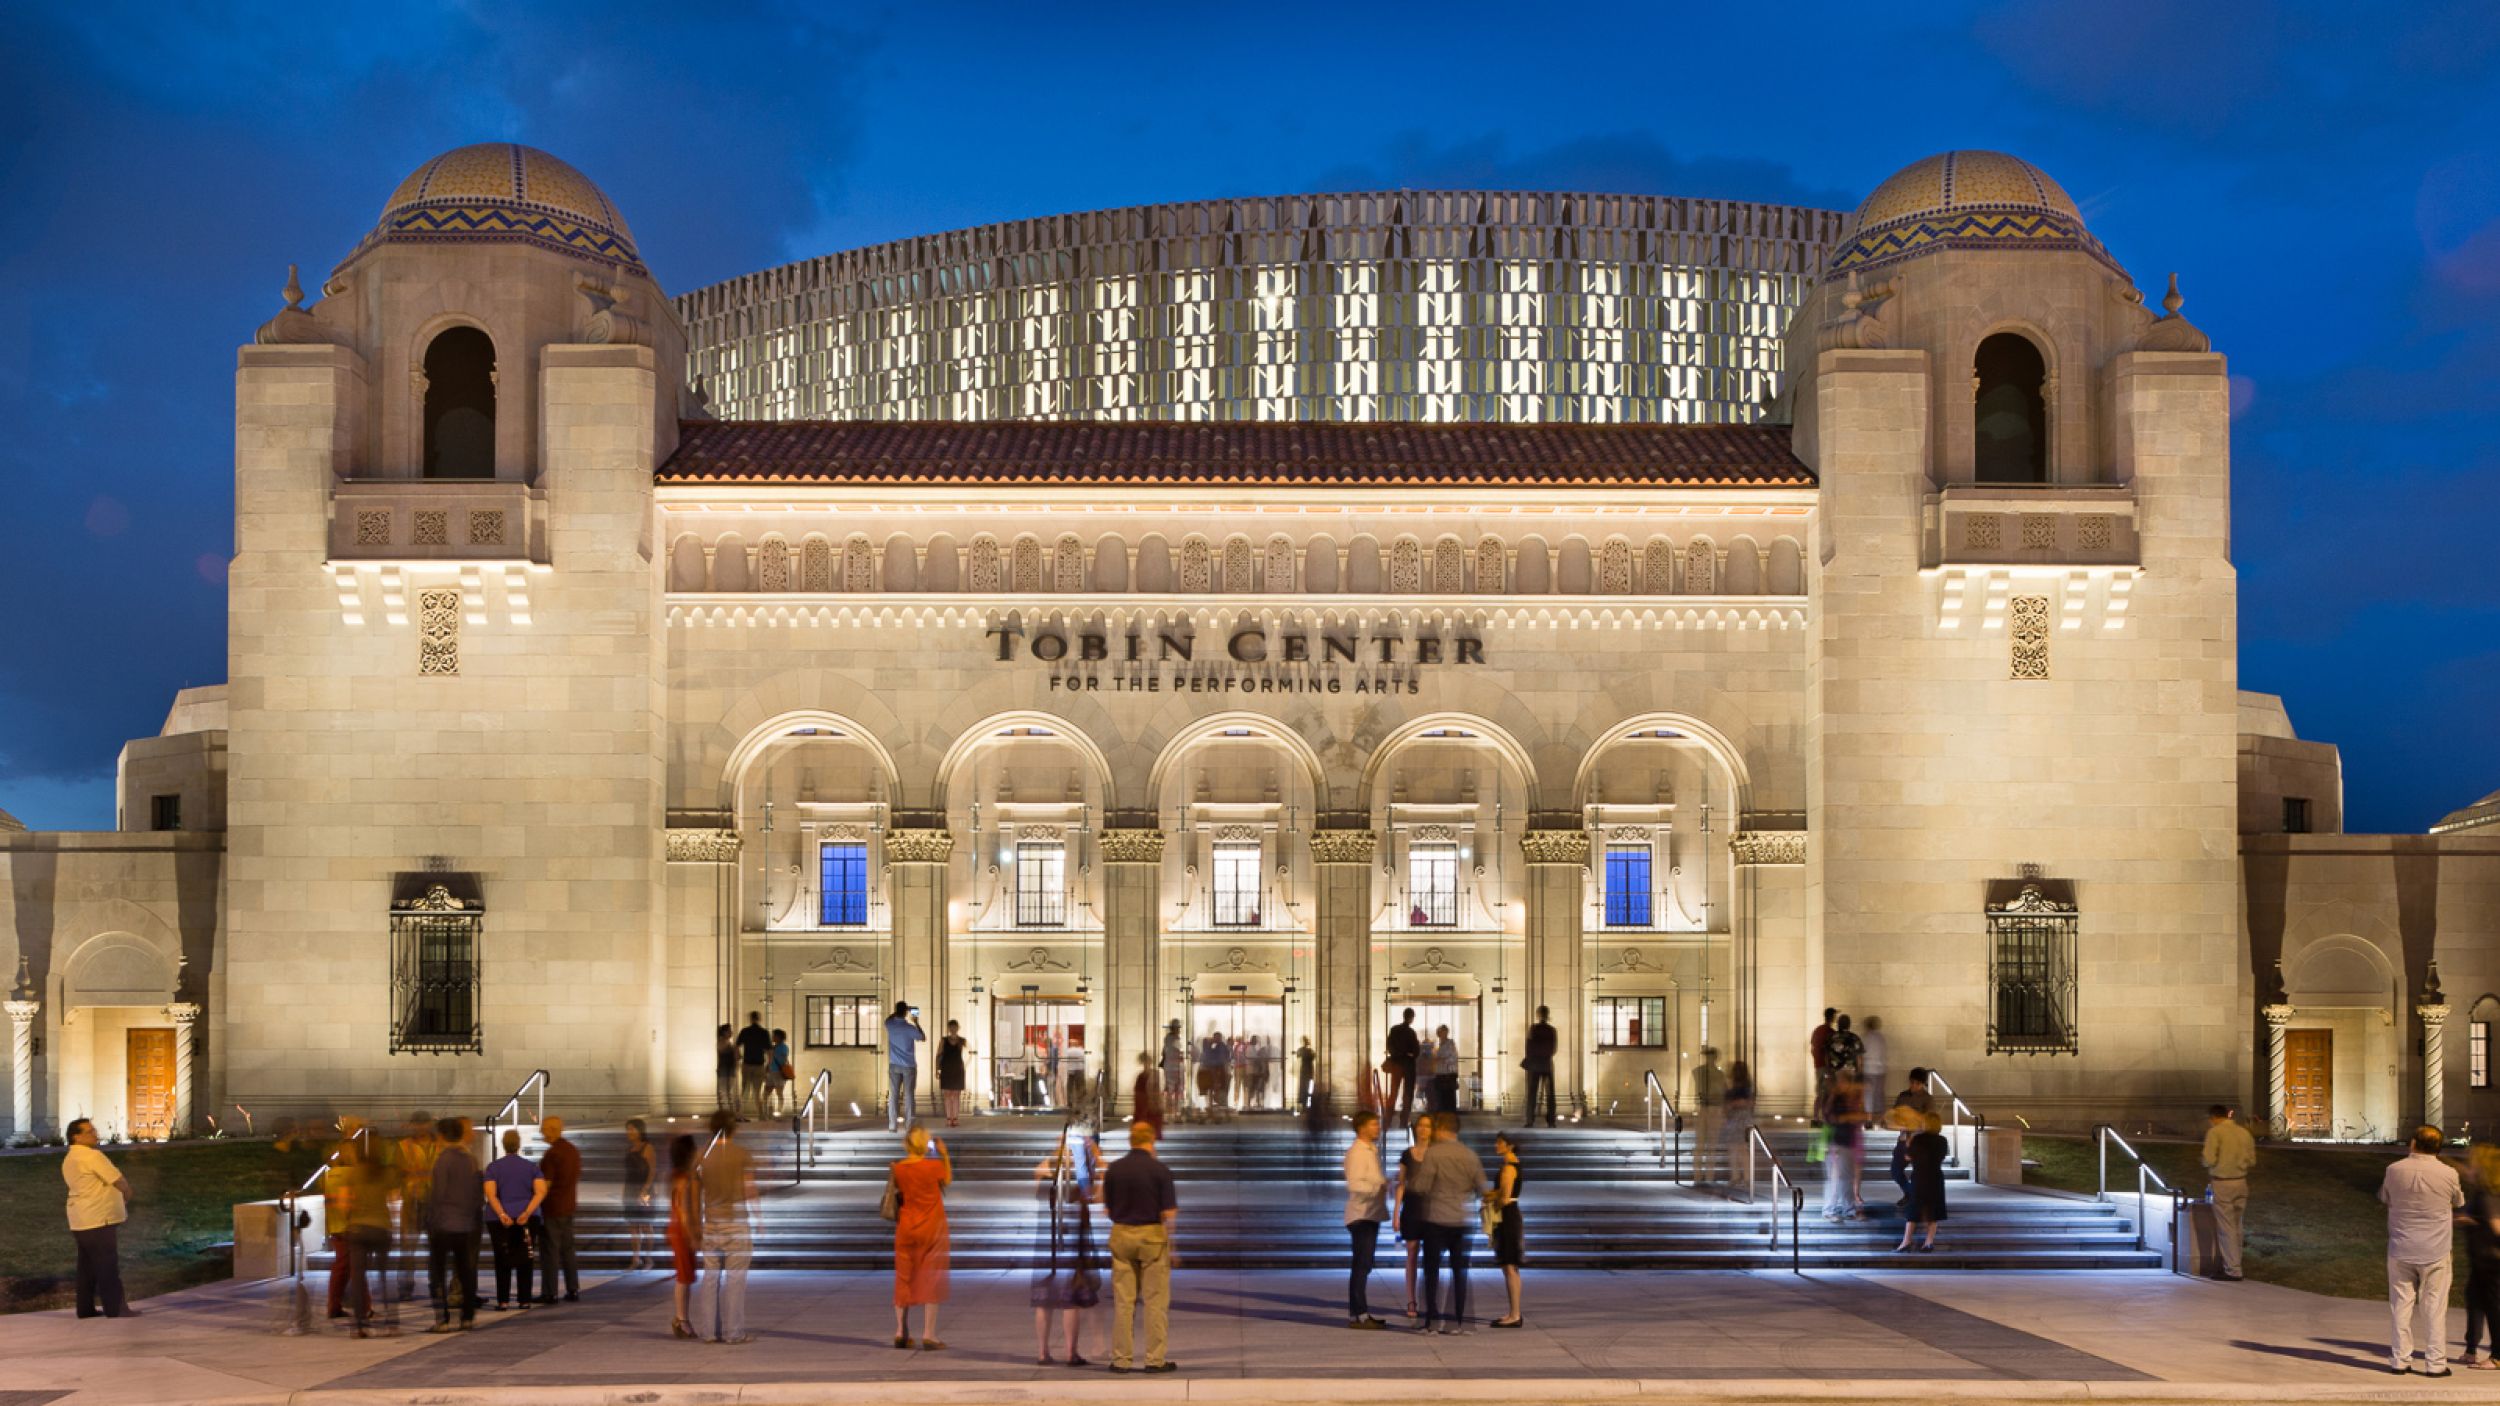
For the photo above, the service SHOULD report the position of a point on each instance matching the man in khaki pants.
(1138, 1193)
(2229, 1153)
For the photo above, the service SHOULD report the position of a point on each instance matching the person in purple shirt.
(514, 1189)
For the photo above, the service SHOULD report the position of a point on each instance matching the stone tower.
(446, 736)
(2022, 735)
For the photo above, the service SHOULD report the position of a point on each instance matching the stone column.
(1132, 890)
(915, 875)
(186, 1015)
(22, 1015)
(1557, 966)
(2434, 1065)
(1341, 865)
(2278, 1018)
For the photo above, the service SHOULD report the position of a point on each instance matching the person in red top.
(920, 1245)
(685, 1226)
(562, 1167)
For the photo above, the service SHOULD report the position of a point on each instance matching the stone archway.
(124, 1047)
(2334, 1043)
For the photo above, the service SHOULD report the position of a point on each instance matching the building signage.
(1250, 659)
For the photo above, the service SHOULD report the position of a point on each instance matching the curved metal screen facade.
(1402, 305)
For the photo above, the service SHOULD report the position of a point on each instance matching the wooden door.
(151, 1067)
(2309, 1082)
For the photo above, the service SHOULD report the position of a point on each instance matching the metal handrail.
(1654, 1098)
(512, 1106)
(1797, 1198)
(2145, 1179)
(1960, 1110)
(803, 1124)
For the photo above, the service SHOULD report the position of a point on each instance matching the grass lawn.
(182, 1205)
(2314, 1218)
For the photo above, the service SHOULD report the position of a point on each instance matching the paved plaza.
(1755, 1336)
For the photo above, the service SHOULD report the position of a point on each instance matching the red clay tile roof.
(1232, 454)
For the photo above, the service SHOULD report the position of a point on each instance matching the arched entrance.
(121, 1051)
(2336, 1043)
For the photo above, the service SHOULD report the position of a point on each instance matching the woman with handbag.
(1504, 1227)
(916, 1202)
(1067, 1280)
(685, 1227)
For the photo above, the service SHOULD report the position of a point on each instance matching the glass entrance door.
(1460, 1016)
(1252, 1072)
(1039, 1053)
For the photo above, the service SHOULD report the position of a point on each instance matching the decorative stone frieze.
(2031, 637)
(438, 631)
(919, 846)
(1132, 846)
(702, 845)
(1760, 847)
(1343, 846)
(1555, 846)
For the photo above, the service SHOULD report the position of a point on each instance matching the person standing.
(755, 1045)
(1873, 1053)
(415, 1152)
(920, 1242)
(99, 1202)
(1219, 1077)
(2482, 1260)
(1818, 1058)
(951, 1050)
(1144, 1205)
(637, 1190)
(777, 1074)
(1844, 1119)
(456, 1198)
(1710, 1114)
(1174, 1063)
(1305, 1073)
(561, 1165)
(1448, 1176)
(1260, 1056)
(1923, 1208)
(1408, 1218)
(725, 1069)
(2229, 1155)
(727, 1177)
(902, 1065)
(1405, 1049)
(1847, 1052)
(368, 1229)
(1067, 1280)
(1510, 1229)
(1444, 1071)
(2423, 1197)
(514, 1190)
(1736, 1131)
(1146, 1095)
(1366, 1206)
(685, 1230)
(1539, 1062)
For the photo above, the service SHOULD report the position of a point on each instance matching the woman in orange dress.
(920, 1181)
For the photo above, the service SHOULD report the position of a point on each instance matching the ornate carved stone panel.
(1491, 563)
(1758, 847)
(1658, 567)
(373, 527)
(702, 845)
(486, 527)
(1343, 846)
(859, 565)
(1449, 567)
(919, 846)
(438, 630)
(2030, 615)
(1701, 570)
(1555, 846)
(1983, 532)
(1132, 846)
(2039, 530)
(432, 528)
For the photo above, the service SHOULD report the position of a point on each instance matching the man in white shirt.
(1366, 1206)
(99, 1201)
(2423, 1197)
(1874, 1061)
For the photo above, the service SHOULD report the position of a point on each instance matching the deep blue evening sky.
(2327, 187)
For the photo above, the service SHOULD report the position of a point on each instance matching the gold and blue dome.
(1963, 200)
(503, 192)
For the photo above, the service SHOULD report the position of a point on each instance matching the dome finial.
(2171, 302)
(2171, 332)
(294, 290)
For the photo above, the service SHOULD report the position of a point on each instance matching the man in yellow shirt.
(99, 1201)
(2229, 1153)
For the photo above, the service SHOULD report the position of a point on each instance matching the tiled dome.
(501, 191)
(1963, 200)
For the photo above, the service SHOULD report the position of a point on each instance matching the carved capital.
(183, 1012)
(2278, 1015)
(1769, 847)
(919, 846)
(22, 1012)
(692, 845)
(1555, 846)
(1343, 846)
(2433, 1017)
(1132, 846)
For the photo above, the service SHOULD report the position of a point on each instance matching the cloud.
(1619, 163)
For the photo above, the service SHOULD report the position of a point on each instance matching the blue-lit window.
(845, 877)
(1627, 886)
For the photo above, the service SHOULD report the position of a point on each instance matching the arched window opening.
(460, 405)
(2009, 417)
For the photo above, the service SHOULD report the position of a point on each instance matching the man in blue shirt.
(902, 1064)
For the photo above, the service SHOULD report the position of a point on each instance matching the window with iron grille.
(1432, 885)
(1627, 886)
(1629, 1022)
(2478, 1054)
(842, 1022)
(2031, 973)
(843, 869)
(1041, 884)
(436, 956)
(1237, 884)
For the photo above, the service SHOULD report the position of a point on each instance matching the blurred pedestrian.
(515, 1189)
(2423, 1197)
(1408, 1202)
(1736, 1125)
(920, 1241)
(727, 1177)
(2229, 1155)
(777, 1073)
(1146, 1095)
(1874, 1055)
(1405, 1051)
(1847, 1051)
(415, 1154)
(725, 1069)
(1710, 1114)
(1510, 1230)
(1449, 1175)
(685, 1229)
(637, 1192)
(368, 1177)
(1067, 1276)
(1305, 1073)
(1366, 1206)
(952, 1048)
(1174, 1063)
(99, 1202)
(1543, 1042)
(1444, 1071)
(1844, 1123)
(455, 1203)
(1924, 1209)
(1818, 1058)
(902, 1065)
(561, 1165)
(1144, 1205)
(1215, 1076)
(755, 1045)
(2482, 1258)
